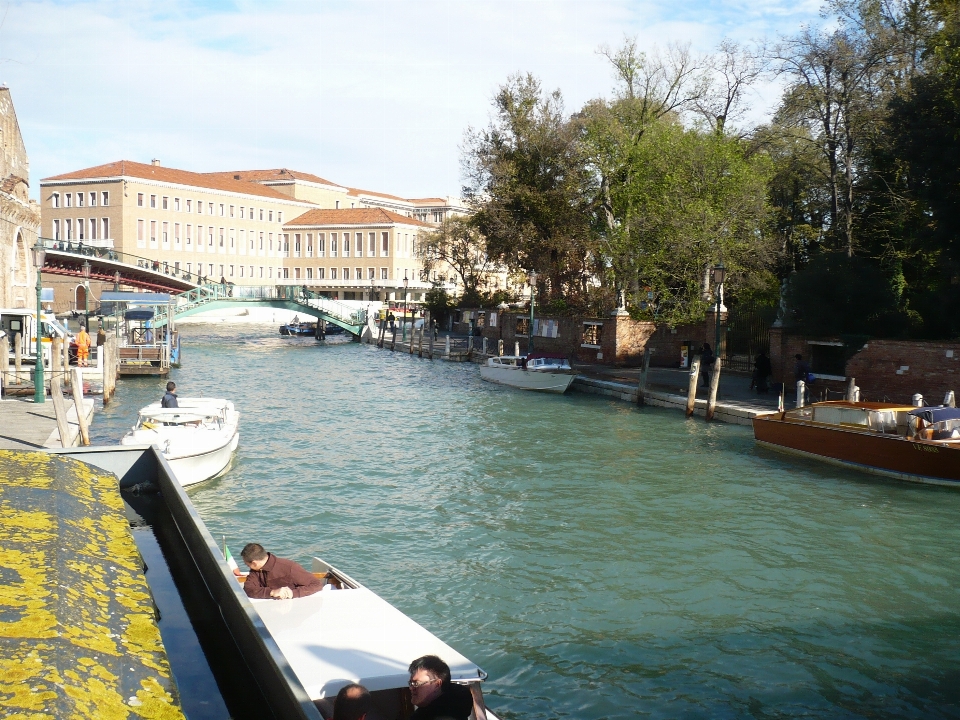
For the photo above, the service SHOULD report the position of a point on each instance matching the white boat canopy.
(352, 635)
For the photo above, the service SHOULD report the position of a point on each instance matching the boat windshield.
(174, 416)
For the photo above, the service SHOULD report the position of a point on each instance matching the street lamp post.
(39, 394)
(406, 284)
(719, 274)
(86, 294)
(116, 281)
(533, 293)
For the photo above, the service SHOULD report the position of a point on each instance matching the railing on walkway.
(117, 256)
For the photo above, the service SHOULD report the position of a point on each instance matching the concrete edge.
(73, 424)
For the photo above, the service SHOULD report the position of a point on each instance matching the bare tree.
(733, 69)
(461, 247)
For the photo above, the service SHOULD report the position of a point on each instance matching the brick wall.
(897, 369)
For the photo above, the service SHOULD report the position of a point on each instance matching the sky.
(374, 94)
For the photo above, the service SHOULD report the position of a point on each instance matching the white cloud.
(372, 93)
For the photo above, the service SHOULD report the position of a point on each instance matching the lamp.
(39, 253)
(533, 293)
(116, 281)
(719, 275)
(86, 293)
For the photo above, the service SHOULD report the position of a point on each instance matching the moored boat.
(197, 439)
(904, 442)
(540, 372)
(299, 329)
(346, 633)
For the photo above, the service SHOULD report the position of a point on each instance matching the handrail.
(126, 258)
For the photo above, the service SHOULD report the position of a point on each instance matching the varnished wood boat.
(907, 443)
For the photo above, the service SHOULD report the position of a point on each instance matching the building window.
(270, 242)
(166, 204)
(93, 199)
(371, 273)
(189, 235)
(309, 244)
(241, 212)
(210, 237)
(176, 204)
(223, 209)
(358, 244)
(68, 200)
(279, 216)
(384, 244)
(261, 242)
(320, 272)
(153, 201)
(333, 273)
(189, 267)
(93, 228)
(209, 270)
(346, 244)
(320, 243)
(189, 205)
(372, 244)
(231, 211)
(286, 273)
(164, 237)
(359, 275)
(233, 240)
(261, 214)
(333, 245)
(153, 233)
(68, 229)
(56, 229)
(105, 198)
(346, 273)
(141, 234)
(251, 270)
(296, 273)
(241, 271)
(383, 274)
(105, 226)
(209, 208)
(252, 248)
(221, 237)
(231, 271)
(55, 200)
(176, 234)
(80, 199)
(309, 273)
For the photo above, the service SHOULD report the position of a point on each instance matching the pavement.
(24, 425)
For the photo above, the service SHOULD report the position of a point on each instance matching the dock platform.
(24, 425)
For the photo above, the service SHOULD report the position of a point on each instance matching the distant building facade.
(19, 216)
(249, 227)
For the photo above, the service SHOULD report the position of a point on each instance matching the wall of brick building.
(897, 369)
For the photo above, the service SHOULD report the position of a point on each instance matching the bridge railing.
(103, 253)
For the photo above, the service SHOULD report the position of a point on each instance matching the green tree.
(458, 244)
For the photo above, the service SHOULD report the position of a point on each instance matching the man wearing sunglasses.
(435, 696)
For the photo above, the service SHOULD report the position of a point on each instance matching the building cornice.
(175, 186)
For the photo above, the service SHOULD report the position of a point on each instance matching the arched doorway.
(81, 297)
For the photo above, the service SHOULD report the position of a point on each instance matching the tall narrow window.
(93, 228)
(166, 203)
(105, 198)
(346, 244)
(310, 273)
(141, 234)
(176, 235)
(321, 239)
(231, 211)
(153, 201)
(189, 205)
(384, 244)
(383, 274)
(358, 244)
(164, 237)
(56, 229)
(68, 200)
(189, 235)
(93, 199)
(80, 199)
(68, 229)
(176, 204)
(55, 200)
(372, 244)
(105, 226)
(81, 226)
(309, 244)
(371, 273)
(296, 244)
(153, 233)
(320, 273)
(333, 273)
(333, 247)
(261, 245)
(221, 237)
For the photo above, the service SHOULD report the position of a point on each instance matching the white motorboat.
(197, 439)
(540, 372)
(346, 633)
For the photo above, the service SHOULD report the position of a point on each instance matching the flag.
(231, 563)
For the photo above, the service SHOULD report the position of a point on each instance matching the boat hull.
(192, 469)
(548, 382)
(888, 455)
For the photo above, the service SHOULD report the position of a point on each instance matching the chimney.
(236, 177)
(155, 162)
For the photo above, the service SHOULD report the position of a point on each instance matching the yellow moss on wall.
(78, 637)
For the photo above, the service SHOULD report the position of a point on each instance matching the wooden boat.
(903, 442)
(347, 633)
(539, 372)
(299, 329)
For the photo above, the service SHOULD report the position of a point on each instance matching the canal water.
(596, 559)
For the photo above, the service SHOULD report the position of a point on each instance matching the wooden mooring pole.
(642, 384)
(17, 358)
(4, 362)
(714, 386)
(60, 410)
(78, 403)
(692, 387)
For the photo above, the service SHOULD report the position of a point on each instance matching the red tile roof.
(354, 216)
(209, 181)
(277, 174)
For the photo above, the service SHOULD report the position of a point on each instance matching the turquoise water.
(597, 560)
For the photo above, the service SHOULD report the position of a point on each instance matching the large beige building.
(19, 216)
(250, 227)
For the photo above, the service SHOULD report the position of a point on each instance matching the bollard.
(801, 393)
(484, 346)
(78, 404)
(917, 400)
(516, 348)
(714, 386)
(500, 348)
(851, 388)
(642, 384)
(692, 387)
(60, 410)
(446, 349)
(949, 400)
(412, 331)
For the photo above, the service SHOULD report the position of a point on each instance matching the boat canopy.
(336, 637)
(546, 356)
(938, 414)
(175, 416)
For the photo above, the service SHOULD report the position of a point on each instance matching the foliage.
(457, 243)
(439, 302)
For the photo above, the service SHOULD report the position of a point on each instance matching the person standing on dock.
(170, 399)
(274, 577)
(434, 694)
(762, 369)
(83, 346)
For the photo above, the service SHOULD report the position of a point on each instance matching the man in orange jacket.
(83, 346)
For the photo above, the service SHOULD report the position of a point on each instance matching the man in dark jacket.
(170, 399)
(277, 578)
(436, 697)
(761, 371)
